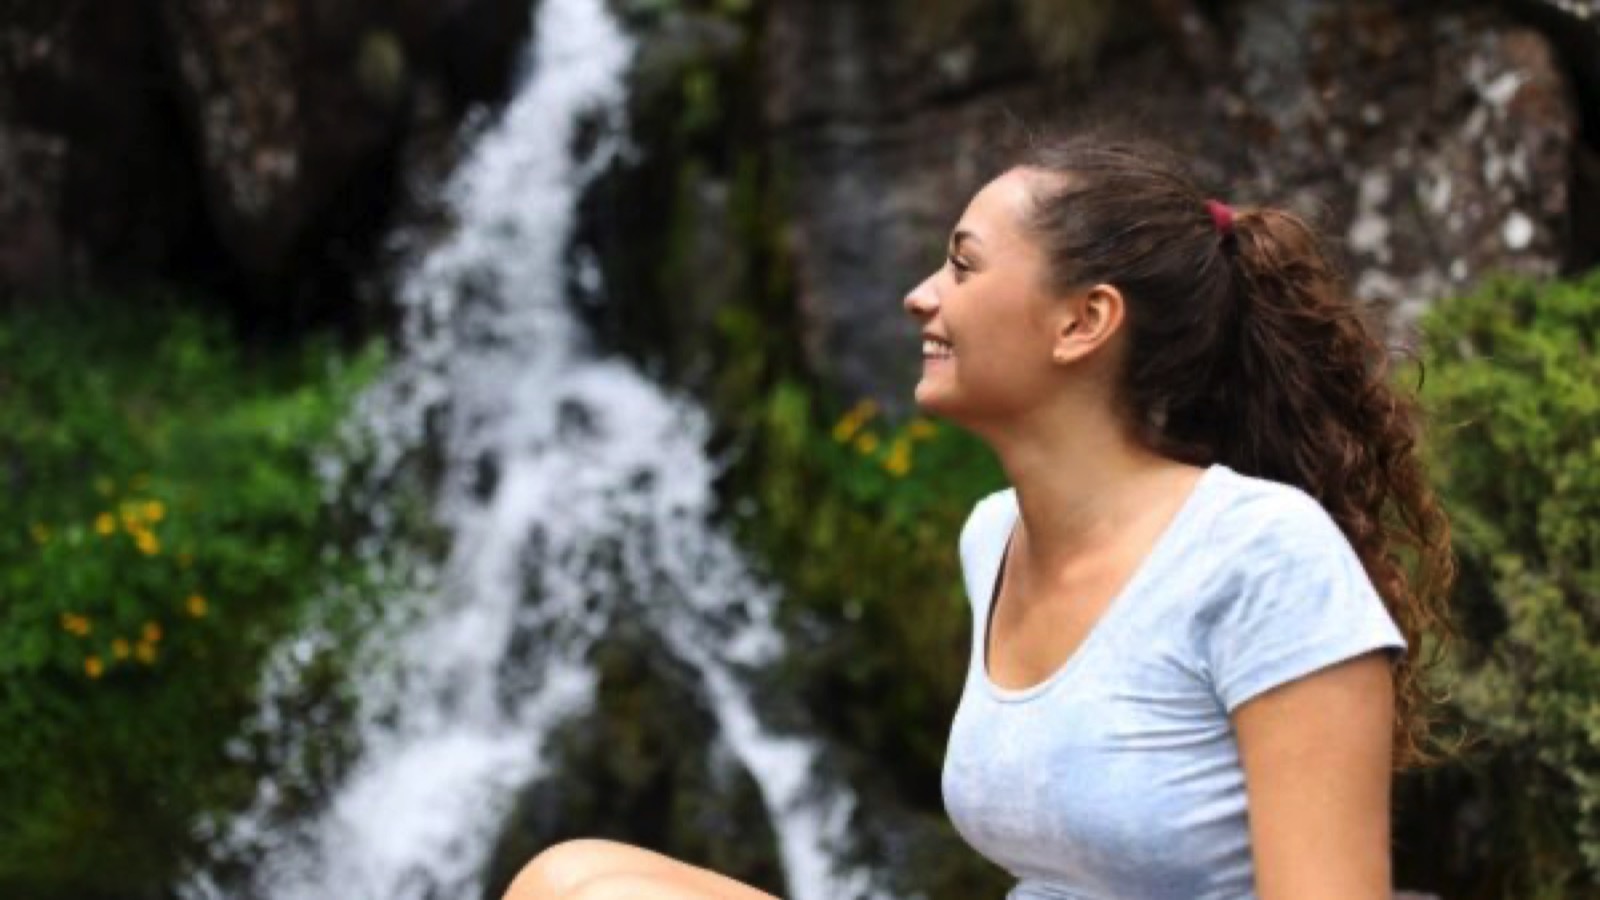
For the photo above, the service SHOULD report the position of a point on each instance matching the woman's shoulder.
(1272, 536)
(1256, 510)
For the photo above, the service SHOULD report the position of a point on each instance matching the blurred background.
(434, 429)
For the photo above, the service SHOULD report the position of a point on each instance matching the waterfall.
(551, 455)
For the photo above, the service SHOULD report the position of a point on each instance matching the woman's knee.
(561, 868)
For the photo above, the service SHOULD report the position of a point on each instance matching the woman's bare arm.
(1317, 757)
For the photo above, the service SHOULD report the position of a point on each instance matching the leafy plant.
(165, 525)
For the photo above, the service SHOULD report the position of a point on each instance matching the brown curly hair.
(1247, 348)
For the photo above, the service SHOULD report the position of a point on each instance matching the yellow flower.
(93, 667)
(867, 442)
(148, 545)
(41, 533)
(72, 623)
(898, 462)
(852, 421)
(151, 633)
(145, 652)
(154, 510)
(119, 648)
(921, 429)
(105, 523)
(197, 606)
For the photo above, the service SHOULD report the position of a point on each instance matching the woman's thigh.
(565, 867)
(662, 887)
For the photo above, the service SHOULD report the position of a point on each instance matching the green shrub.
(165, 526)
(1513, 385)
(858, 522)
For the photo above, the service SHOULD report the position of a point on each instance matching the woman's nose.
(922, 300)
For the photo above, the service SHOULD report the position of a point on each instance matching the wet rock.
(647, 767)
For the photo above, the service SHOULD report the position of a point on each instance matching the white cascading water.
(583, 453)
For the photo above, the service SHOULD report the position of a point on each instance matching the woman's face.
(989, 311)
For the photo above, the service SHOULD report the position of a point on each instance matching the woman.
(1197, 607)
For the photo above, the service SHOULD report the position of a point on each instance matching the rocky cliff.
(1436, 143)
(257, 147)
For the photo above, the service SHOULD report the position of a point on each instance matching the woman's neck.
(1082, 485)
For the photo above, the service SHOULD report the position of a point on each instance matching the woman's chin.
(931, 399)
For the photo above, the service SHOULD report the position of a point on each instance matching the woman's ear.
(1089, 320)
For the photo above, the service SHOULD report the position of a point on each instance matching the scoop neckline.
(1114, 610)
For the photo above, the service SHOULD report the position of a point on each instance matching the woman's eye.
(961, 267)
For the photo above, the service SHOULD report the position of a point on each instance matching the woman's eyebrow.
(960, 235)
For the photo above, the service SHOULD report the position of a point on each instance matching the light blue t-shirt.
(1119, 775)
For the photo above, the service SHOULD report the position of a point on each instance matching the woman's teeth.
(935, 348)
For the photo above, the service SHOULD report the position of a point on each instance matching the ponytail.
(1246, 348)
(1312, 404)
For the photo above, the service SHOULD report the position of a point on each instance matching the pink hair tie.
(1221, 216)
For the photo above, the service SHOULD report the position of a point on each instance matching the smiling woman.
(1192, 668)
(1190, 672)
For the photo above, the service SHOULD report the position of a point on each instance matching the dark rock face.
(1436, 146)
(1573, 28)
(255, 142)
(278, 136)
(91, 156)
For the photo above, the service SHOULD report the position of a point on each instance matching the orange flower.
(197, 606)
(145, 652)
(152, 633)
(93, 667)
(105, 523)
(154, 510)
(119, 648)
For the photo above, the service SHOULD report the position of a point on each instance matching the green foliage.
(1514, 388)
(164, 527)
(866, 513)
(858, 522)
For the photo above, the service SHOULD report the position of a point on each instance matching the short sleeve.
(1302, 602)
